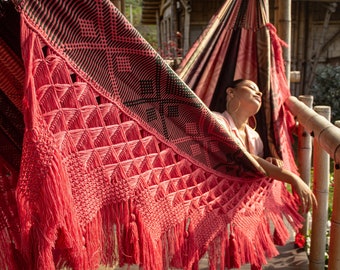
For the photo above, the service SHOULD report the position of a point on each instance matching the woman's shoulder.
(216, 113)
(219, 116)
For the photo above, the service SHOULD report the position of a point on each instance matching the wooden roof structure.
(150, 9)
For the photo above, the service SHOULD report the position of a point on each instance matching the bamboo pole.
(334, 246)
(305, 156)
(284, 31)
(321, 191)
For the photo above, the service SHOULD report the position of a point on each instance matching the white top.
(255, 144)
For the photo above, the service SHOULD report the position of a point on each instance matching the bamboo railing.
(305, 157)
(334, 245)
(321, 165)
(326, 144)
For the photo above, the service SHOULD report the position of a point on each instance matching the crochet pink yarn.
(122, 162)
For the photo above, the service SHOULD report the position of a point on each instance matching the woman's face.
(249, 95)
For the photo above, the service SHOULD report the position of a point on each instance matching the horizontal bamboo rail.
(327, 136)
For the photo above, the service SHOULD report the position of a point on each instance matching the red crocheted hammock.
(121, 161)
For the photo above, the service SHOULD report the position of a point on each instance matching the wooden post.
(305, 156)
(159, 31)
(284, 31)
(120, 4)
(334, 246)
(186, 34)
(321, 191)
(174, 43)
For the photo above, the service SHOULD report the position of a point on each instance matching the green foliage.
(133, 12)
(326, 89)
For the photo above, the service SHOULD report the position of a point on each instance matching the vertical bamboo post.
(320, 189)
(131, 15)
(334, 246)
(284, 31)
(305, 156)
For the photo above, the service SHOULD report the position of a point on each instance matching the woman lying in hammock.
(244, 101)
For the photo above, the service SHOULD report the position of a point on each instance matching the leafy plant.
(326, 89)
(133, 12)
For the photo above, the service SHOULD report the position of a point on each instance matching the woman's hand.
(305, 194)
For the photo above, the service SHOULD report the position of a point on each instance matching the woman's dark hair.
(235, 83)
(218, 101)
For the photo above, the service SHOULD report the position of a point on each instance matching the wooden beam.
(149, 10)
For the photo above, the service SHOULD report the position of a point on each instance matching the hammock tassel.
(133, 240)
(235, 260)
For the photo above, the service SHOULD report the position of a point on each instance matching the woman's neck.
(240, 120)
